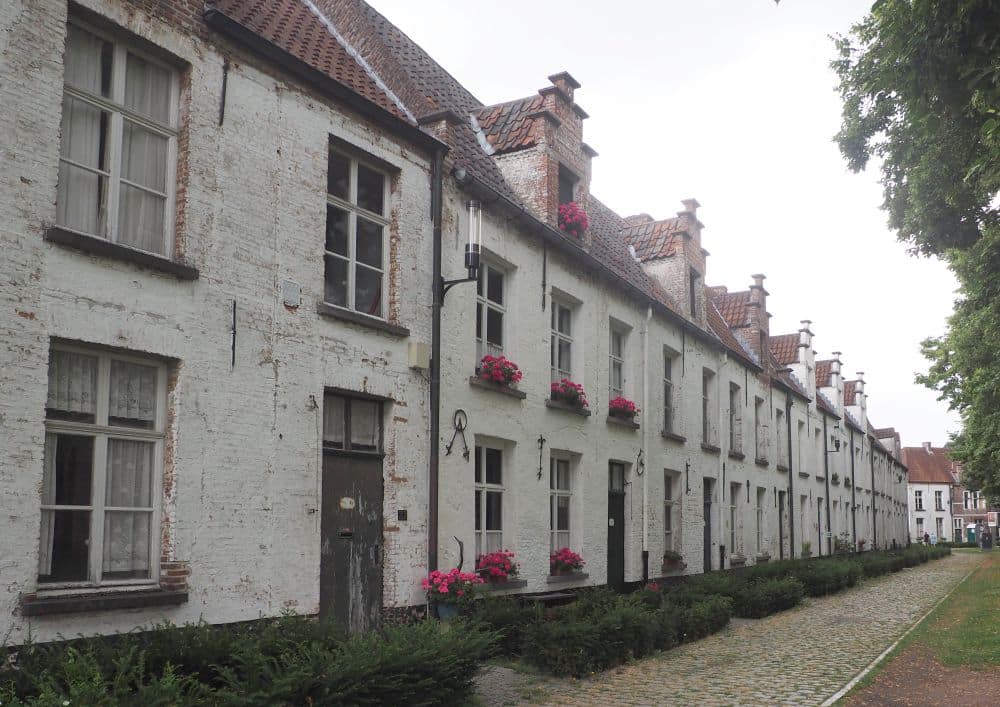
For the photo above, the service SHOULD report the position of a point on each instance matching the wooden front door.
(350, 587)
(616, 525)
(707, 512)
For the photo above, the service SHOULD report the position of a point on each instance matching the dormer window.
(567, 186)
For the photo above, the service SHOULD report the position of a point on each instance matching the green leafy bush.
(704, 617)
(762, 598)
(508, 618)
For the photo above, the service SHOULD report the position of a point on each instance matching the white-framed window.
(782, 432)
(760, 429)
(118, 152)
(616, 363)
(669, 411)
(671, 510)
(939, 500)
(562, 341)
(734, 500)
(735, 418)
(100, 505)
(820, 453)
(759, 508)
(707, 406)
(560, 503)
(939, 528)
(490, 311)
(918, 500)
(357, 234)
(489, 499)
(920, 527)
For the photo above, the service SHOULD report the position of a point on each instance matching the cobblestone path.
(797, 657)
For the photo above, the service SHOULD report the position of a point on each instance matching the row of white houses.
(242, 339)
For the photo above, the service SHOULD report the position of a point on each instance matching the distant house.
(932, 484)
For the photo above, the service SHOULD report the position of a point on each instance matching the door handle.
(345, 534)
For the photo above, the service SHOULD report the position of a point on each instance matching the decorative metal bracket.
(541, 444)
(460, 421)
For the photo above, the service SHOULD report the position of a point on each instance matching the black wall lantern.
(472, 246)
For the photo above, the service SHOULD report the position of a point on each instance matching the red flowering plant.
(573, 219)
(497, 566)
(622, 407)
(569, 392)
(451, 587)
(564, 561)
(499, 370)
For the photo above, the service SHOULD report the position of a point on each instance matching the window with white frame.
(920, 527)
(562, 341)
(490, 311)
(489, 499)
(735, 418)
(104, 430)
(761, 499)
(616, 363)
(918, 500)
(119, 142)
(357, 225)
(707, 406)
(782, 433)
(671, 510)
(939, 500)
(819, 452)
(800, 447)
(760, 429)
(734, 500)
(560, 503)
(669, 421)
(939, 528)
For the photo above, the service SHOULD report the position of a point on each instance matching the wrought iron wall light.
(472, 247)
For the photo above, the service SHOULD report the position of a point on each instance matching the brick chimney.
(759, 331)
(805, 367)
(927, 448)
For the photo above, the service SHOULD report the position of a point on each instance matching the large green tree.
(920, 82)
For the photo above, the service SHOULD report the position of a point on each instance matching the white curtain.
(142, 213)
(48, 498)
(133, 392)
(333, 420)
(129, 485)
(72, 383)
(364, 424)
(147, 89)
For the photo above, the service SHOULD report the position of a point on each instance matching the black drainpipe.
(854, 486)
(826, 473)
(871, 455)
(437, 185)
(791, 475)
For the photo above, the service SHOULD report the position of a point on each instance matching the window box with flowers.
(567, 395)
(673, 561)
(450, 590)
(564, 562)
(497, 567)
(622, 411)
(573, 219)
(498, 373)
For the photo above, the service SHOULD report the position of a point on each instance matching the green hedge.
(508, 618)
(764, 597)
(286, 662)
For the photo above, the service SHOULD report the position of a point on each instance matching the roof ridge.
(361, 61)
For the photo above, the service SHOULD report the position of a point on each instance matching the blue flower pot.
(447, 612)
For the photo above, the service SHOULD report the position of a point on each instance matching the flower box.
(762, 557)
(737, 560)
(569, 393)
(565, 562)
(573, 219)
(499, 370)
(446, 590)
(497, 567)
(622, 408)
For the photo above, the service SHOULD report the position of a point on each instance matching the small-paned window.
(560, 501)
(489, 484)
(561, 341)
(352, 424)
(616, 364)
(490, 311)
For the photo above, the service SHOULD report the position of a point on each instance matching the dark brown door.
(616, 525)
(707, 513)
(350, 585)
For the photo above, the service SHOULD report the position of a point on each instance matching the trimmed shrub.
(704, 617)
(508, 618)
(762, 598)
(823, 576)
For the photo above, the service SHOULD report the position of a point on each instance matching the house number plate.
(611, 522)
(347, 503)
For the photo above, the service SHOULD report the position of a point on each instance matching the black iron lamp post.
(472, 247)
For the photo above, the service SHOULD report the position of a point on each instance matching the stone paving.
(798, 657)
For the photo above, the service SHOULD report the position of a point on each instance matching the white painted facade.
(930, 511)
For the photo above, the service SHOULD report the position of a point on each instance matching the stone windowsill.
(673, 436)
(346, 315)
(560, 405)
(738, 456)
(42, 605)
(622, 422)
(116, 251)
(563, 578)
(802, 474)
(710, 448)
(477, 382)
(500, 586)
(761, 461)
(781, 467)
(820, 477)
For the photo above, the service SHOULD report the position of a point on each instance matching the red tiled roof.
(719, 327)
(850, 388)
(291, 26)
(511, 126)
(653, 240)
(823, 373)
(784, 348)
(734, 307)
(929, 467)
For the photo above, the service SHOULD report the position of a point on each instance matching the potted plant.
(672, 561)
(807, 549)
(762, 556)
(861, 544)
(835, 478)
(448, 590)
(573, 219)
(497, 567)
(564, 562)
(499, 370)
(566, 391)
(622, 408)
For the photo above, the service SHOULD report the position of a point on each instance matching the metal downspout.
(437, 186)
(826, 472)
(791, 476)
(645, 445)
(871, 456)
(854, 486)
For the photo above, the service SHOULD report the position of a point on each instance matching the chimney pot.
(691, 206)
(927, 447)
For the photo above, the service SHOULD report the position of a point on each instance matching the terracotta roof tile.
(718, 326)
(850, 388)
(929, 467)
(511, 126)
(735, 308)
(297, 30)
(784, 348)
(823, 373)
(653, 240)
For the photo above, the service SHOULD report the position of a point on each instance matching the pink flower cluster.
(564, 558)
(652, 587)
(623, 407)
(569, 392)
(450, 585)
(498, 369)
(573, 219)
(497, 565)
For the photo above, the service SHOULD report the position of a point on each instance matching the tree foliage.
(920, 83)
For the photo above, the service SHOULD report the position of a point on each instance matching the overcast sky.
(731, 102)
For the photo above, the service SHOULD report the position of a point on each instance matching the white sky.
(731, 102)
